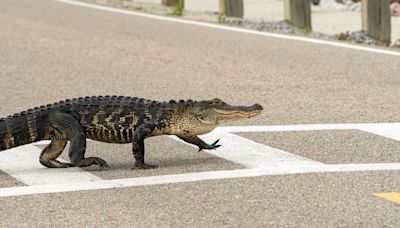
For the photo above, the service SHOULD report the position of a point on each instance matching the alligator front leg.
(142, 132)
(200, 143)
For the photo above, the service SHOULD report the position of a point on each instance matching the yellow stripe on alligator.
(391, 196)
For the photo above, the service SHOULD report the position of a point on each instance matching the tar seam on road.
(233, 29)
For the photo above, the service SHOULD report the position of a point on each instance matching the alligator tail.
(20, 129)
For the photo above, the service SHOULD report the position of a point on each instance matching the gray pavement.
(51, 51)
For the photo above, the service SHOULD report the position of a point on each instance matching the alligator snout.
(257, 107)
(254, 110)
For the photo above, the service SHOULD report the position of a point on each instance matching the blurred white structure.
(329, 17)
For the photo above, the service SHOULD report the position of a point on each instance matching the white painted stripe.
(252, 154)
(391, 131)
(279, 128)
(311, 127)
(45, 142)
(41, 143)
(23, 164)
(191, 177)
(234, 29)
(388, 130)
(56, 188)
(360, 167)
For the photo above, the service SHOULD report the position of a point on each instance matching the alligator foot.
(209, 147)
(55, 164)
(65, 165)
(93, 161)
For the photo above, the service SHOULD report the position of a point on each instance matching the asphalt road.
(51, 51)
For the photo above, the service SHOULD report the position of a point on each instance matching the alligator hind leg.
(52, 151)
(70, 129)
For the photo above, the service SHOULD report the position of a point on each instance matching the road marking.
(391, 196)
(391, 131)
(22, 163)
(252, 154)
(311, 127)
(191, 177)
(233, 29)
(388, 130)
(261, 160)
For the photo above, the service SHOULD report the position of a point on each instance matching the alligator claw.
(216, 142)
(101, 164)
(210, 147)
(93, 161)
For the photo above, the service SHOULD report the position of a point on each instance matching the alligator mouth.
(240, 112)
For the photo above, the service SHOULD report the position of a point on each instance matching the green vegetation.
(221, 18)
(307, 30)
(177, 9)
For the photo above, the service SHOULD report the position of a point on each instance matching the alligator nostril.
(258, 107)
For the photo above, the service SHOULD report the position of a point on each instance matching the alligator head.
(202, 117)
(216, 112)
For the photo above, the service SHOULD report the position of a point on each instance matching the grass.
(177, 9)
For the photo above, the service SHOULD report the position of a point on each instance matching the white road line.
(192, 177)
(391, 131)
(45, 142)
(233, 29)
(252, 154)
(311, 127)
(22, 163)
(388, 130)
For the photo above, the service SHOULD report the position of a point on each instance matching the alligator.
(115, 119)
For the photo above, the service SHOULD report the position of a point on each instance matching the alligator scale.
(115, 119)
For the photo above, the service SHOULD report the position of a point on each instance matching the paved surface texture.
(51, 51)
(8, 181)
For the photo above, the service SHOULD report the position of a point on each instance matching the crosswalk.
(259, 160)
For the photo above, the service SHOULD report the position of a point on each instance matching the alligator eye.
(218, 101)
